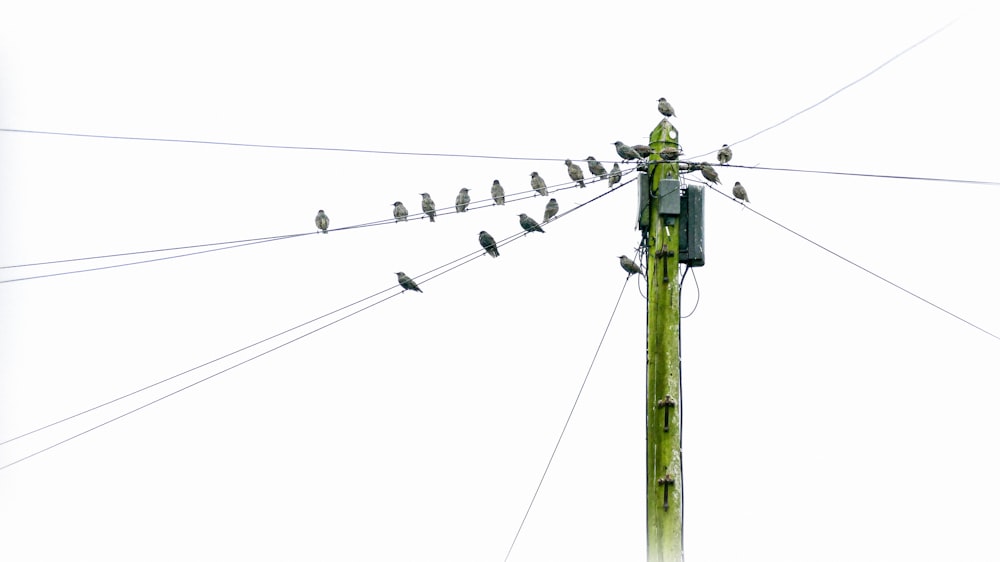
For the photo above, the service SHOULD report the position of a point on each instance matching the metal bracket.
(666, 482)
(665, 404)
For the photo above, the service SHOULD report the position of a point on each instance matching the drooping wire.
(566, 424)
(839, 90)
(855, 264)
(697, 288)
(447, 267)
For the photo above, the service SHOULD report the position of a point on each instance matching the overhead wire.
(441, 270)
(863, 175)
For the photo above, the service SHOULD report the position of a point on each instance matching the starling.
(629, 265)
(538, 184)
(529, 224)
(551, 210)
(616, 175)
(642, 150)
(626, 151)
(665, 108)
(575, 173)
(488, 244)
(709, 172)
(725, 155)
(462, 201)
(740, 192)
(497, 192)
(428, 205)
(406, 283)
(399, 211)
(596, 168)
(670, 152)
(322, 221)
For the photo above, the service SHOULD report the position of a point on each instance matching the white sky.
(828, 415)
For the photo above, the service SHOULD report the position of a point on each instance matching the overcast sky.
(828, 415)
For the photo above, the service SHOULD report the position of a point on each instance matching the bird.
(596, 168)
(740, 192)
(462, 201)
(725, 154)
(626, 151)
(616, 175)
(665, 108)
(575, 173)
(709, 172)
(538, 184)
(629, 265)
(670, 152)
(428, 205)
(399, 211)
(642, 150)
(488, 243)
(551, 210)
(497, 192)
(529, 224)
(322, 221)
(406, 283)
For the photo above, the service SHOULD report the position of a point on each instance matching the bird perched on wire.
(428, 206)
(615, 176)
(724, 155)
(670, 152)
(538, 184)
(399, 211)
(740, 192)
(406, 283)
(497, 193)
(642, 150)
(488, 244)
(462, 201)
(596, 168)
(665, 108)
(575, 173)
(322, 221)
(629, 265)
(626, 152)
(709, 172)
(529, 224)
(551, 210)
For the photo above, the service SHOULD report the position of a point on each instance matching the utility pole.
(660, 220)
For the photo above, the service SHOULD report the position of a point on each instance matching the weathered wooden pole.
(663, 432)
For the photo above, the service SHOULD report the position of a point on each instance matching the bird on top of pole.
(596, 168)
(538, 184)
(529, 224)
(665, 108)
(497, 193)
(724, 155)
(629, 265)
(428, 205)
(740, 192)
(615, 176)
(406, 283)
(709, 172)
(399, 211)
(462, 201)
(551, 210)
(575, 173)
(626, 152)
(322, 221)
(488, 243)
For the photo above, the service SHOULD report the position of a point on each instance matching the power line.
(447, 267)
(569, 417)
(280, 146)
(863, 175)
(841, 89)
(862, 268)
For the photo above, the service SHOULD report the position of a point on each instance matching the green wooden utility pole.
(664, 541)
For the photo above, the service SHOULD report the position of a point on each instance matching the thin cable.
(862, 268)
(858, 174)
(869, 73)
(569, 417)
(697, 288)
(277, 146)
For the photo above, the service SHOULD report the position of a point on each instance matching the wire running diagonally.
(568, 418)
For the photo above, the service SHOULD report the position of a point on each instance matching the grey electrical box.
(642, 217)
(692, 226)
(669, 195)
